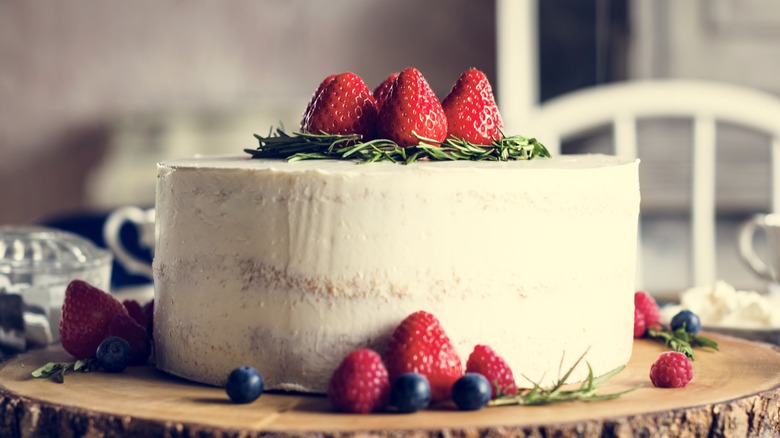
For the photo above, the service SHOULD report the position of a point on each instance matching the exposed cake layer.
(289, 266)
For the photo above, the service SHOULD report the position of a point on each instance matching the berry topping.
(410, 392)
(86, 314)
(471, 110)
(125, 327)
(671, 370)
(471, 392)
(113, 354)
(244, 385)
(135, 310)
(345, 106)
(411, 108)
(419, 344)
(646, 308)
(360, 384)
(383, 90)
(485, 361)
(149, 316)
(687, 321)
(640, 326)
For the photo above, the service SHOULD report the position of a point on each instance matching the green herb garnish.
(305, 146)
(56, 370)
(586, 392)
(680, 340)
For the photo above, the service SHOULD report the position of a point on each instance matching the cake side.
(289, 266)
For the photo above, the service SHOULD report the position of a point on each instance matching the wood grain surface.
(734, 392)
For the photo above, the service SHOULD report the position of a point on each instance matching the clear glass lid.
(31, 249)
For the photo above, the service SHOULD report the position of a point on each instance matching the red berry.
(646, 308)
(640, 327)
(149, 317)
(419, 344)
(411, 108)
(485, 361)
(86, 314)
(135, 310)
(345, 106)
(383, 90)
(471, 110)
(127, 328)
(360, 384)
(307, 113)
(671, 370)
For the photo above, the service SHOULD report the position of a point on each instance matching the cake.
(288, 266)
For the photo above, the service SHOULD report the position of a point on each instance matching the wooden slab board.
(735, 392)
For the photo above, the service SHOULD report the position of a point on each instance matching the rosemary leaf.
(307, 146)
(681, 341)
(586, 392)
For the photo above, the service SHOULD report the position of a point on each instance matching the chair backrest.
(621, 105)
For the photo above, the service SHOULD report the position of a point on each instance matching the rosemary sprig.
(306, 146)
(586, 392)
(680, 340)
(56, 370)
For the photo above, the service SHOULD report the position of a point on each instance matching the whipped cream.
(722, 305)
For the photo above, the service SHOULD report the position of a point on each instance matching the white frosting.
(289, 266)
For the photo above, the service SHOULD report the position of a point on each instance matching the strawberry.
(360, 384)
(419, 344)
(135, 310)
(471, 110)
(411, 108)
(125, 327)
(383, 90)
(345, 106)
(307, 113)
(485, 361)
(86, 314)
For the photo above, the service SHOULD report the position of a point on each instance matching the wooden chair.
(621, 105)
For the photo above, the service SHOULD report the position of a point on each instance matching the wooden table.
(735, 392)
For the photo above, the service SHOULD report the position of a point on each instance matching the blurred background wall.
(94, 93)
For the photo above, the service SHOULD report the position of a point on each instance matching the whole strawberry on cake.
(386, 203)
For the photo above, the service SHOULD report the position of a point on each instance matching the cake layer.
(289, 266)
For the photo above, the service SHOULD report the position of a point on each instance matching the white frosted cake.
(287, 267)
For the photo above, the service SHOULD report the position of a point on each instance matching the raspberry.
(360, 384)
(646, 307)
(483, 360)
(640, 326)
(125, 327)
(136, 311)
(671, 370)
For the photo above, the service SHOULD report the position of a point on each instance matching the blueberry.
(244, 385)
(113, 354)
(471, 392)
(689, 319)
(410, 392)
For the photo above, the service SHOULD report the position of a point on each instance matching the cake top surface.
(561, 162)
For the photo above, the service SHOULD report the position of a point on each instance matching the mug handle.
(746, 250)
(111, 235)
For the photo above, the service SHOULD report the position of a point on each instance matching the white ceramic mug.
(143, 220)
(770, 225)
